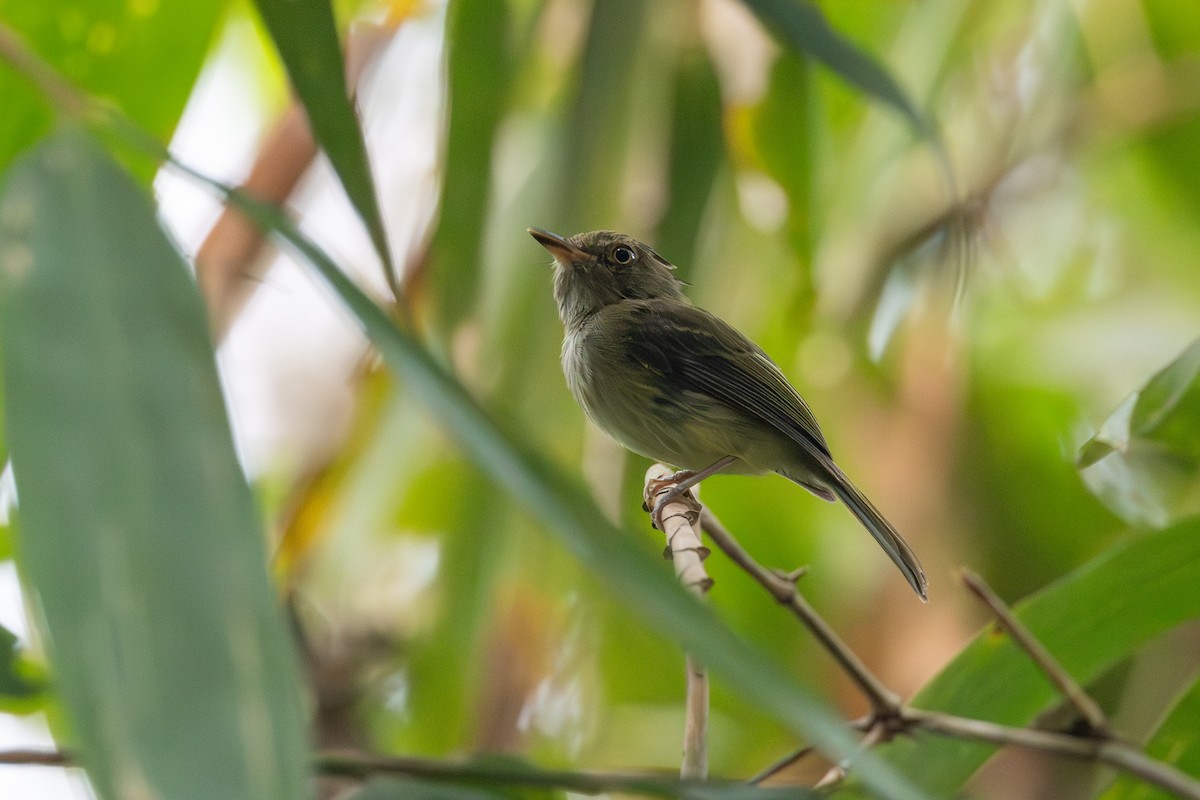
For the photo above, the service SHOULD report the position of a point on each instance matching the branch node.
(791, 576)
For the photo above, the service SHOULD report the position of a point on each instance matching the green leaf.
(138, 539)
(20, 690)
(567, 510)
(109, 48)
(1145, 461)
(1177, 743)
(1090, 620)
(802, 26)
(478, 65)
(306, 36)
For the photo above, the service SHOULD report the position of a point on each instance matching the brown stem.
(1114, 753)
(837, 773)
(1088, 708)
(883, 701)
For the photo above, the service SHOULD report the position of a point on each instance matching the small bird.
(674, 383)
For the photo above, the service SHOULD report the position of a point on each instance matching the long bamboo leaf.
(801, 25)
(306, 36)
(138, 537)
(1177, 742)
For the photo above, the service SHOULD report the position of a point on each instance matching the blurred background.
(436, 617)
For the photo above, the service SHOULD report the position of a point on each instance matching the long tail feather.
(888, 537)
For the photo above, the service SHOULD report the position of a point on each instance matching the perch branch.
(891, 716)
(682, 531)
(1088, 708)
(884, 702)
(1111, 752)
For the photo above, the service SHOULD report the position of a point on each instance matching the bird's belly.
(683, 429)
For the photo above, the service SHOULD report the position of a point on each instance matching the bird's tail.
(888, 537)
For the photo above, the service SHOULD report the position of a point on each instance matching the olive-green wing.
(695, 351)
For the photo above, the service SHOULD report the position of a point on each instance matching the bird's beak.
(563, 251)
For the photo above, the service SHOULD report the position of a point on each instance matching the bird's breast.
(634, 404)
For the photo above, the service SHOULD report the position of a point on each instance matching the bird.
(677, 384)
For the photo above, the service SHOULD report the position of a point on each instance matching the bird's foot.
(673, 488)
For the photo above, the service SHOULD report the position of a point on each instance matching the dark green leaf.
(801, 25)
(306, 36)
(1177, 743)
(1090, 620)
(138, 539)
(19, 688)
(1168, 408)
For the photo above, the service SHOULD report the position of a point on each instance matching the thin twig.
(883, 701)
(1088, 708)
(362, 766)
(47, 80)
(780, 764)
(1113, 753)
(890, 717)
(682, 530)
(837, 773)
(37, 758)
(695, 723)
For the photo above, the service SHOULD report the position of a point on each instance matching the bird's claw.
(669, 496)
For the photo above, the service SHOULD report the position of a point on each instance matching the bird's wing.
(696, 351)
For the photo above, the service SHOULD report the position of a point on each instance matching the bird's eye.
(623, 254)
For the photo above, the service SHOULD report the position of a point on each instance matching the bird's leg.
(682, 480)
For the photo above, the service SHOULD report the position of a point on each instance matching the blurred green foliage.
(801, 206)
(139, 540)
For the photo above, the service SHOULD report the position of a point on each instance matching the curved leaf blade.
(306, 36)
(801, 25)
(139, 538)
(1145, 461)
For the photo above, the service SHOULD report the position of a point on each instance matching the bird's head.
(597, 269)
